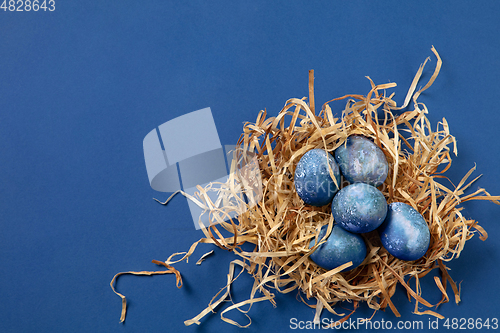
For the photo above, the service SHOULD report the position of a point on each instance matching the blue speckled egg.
(312, 178)
(340, 247)
(404, 233)
(359, 208)
(362, 161)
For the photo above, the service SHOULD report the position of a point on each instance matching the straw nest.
(281, 226)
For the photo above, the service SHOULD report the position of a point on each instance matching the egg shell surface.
(359, 208)
(360, 160)
(340, 248)
(404, 233)
(312, 177)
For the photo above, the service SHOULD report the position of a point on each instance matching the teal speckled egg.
(404, 233)
(312, 177)
(362, 161)
(340, 248)
(359, 208)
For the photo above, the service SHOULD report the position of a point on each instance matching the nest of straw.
(281, 226)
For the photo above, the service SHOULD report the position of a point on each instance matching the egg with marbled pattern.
(312, 177)
(359, 208)
(404, 233)
(340, 248)
(360, 160)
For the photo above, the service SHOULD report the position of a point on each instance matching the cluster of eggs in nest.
(359, 207)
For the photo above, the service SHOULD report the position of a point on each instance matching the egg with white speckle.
(359, 208)
(361, 160)
(404, 233)
(312, 177)
(340, 248)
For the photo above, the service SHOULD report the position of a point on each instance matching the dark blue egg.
(404, 233)
(362, 161)
(359, 208)
(340, 248)
(312, 177)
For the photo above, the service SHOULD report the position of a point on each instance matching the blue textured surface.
(340, 247)
(360, 160)
(404, 233)
(359, 208)
(312, 178)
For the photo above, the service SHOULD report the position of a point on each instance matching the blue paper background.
(80, 87)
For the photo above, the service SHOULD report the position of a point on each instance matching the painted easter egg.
(340, 248)
(360, 160)
(359, 208)
(404, 233)
(312, 177)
